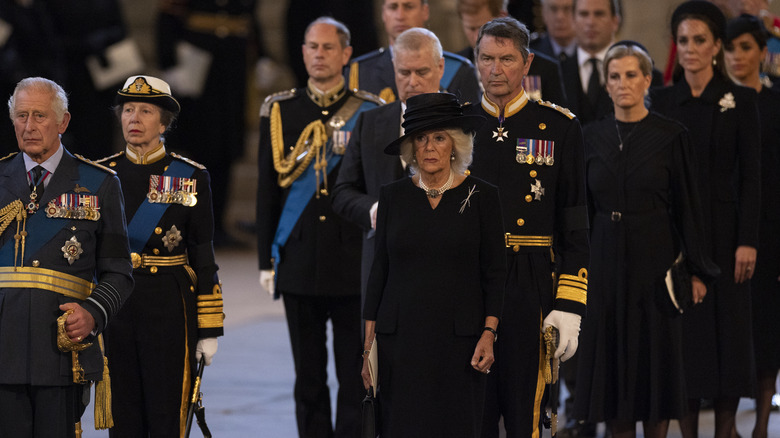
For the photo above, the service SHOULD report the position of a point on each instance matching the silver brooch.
(172, 238)
(72, 250)
(727, 102)
(467, 202)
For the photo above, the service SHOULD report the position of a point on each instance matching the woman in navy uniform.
(175, 313)
(746, 47)
(644, 210)
(723, 122)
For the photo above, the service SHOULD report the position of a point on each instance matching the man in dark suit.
(373, 72)
(595, 24)
(558, 42)
(314, 254)
(543, 81)
(419, 66)
(62, 230)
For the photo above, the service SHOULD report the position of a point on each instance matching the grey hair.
(417, 38)
(462, 146)
(341, 29)
(59, 101)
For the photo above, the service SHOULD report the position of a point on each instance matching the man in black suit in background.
(558, 42)
(544, 78)
(419, 65)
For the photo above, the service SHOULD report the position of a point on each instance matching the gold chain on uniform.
(15, 211)
(285, 165)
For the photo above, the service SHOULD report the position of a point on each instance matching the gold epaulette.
(265, 109)
(371, 97)
(110, 157)
(573, 287)
(387, 95)
(12, 154)
(188, 161)
(560, 109)
(210, 309)
(92, 163)
(354, 76)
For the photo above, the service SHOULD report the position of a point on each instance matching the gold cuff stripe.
(572, 294)
(210, 303)
(574, 284)
(516, 240)
(210, 320)
(209, 297)
(210, 311)
(41, 278)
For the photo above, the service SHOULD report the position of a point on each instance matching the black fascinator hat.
(430, 111)
(700, 9)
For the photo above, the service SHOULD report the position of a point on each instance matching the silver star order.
(72, 250)
(537, 190)
(172, 238)
(501, 134)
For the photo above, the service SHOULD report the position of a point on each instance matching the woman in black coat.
(644, 211)
(436, 287)
(722, 119)
(746, 47)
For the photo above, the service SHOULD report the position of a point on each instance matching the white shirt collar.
(50, 164)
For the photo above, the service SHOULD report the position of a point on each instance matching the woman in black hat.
(644, 211)
(174, 314)
(746, 48)
(722, 119)
(436, 287)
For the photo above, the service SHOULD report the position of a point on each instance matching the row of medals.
(178, 197)
(88, 213)
(522, 157)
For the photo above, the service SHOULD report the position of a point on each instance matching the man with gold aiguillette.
(64, 271)
(315, 253)
(175, 313)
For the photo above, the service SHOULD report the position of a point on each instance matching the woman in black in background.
(644, 210)
(745, 46)
(722, 119)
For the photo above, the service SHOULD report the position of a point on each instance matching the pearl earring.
(452, 156)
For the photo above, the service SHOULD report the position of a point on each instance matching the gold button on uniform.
(153, 269)
(155, 251)
(112, 164)
(533, 174)
(322, 218)
(516, 248)
(36, 263)
(542, 126)
(529, 198)
(467, 172)
(158, 230)
(192, 288)
(520, 222)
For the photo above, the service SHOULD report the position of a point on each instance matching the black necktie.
(37, 172)
(562, 56)
(594, 83)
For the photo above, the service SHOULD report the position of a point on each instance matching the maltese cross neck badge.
(537, 190)
(500, 134)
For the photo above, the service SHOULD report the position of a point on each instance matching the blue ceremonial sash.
(302, 190)
(148, 215)
(451, 67)
(39, 232)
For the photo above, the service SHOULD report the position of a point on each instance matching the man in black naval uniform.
(63, 251)
(418, 65)
(533, 151)
(315, 253)
(543, 80)
(373, 72)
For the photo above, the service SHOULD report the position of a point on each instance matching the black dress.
(765, 284)
(724, 130)
(644, 210)
(437, 274)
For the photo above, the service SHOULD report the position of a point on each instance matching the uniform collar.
(150, 157)
(326, 98)
(513, 107)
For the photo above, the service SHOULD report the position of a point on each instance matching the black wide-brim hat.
(432, 111)
(701, 8)
(149, 89)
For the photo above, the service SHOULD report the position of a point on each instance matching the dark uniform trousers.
(318, 275)
(544, 213)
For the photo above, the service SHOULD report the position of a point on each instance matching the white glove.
(267, 280)
(568, 325)
(207, 348)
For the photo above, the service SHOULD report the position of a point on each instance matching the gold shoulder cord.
(311, 141)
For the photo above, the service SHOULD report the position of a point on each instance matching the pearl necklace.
(435, 193)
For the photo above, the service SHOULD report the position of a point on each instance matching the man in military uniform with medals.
(175, 313)
(373, 72)
(64, 268)
(533, 151)
(307, 253)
